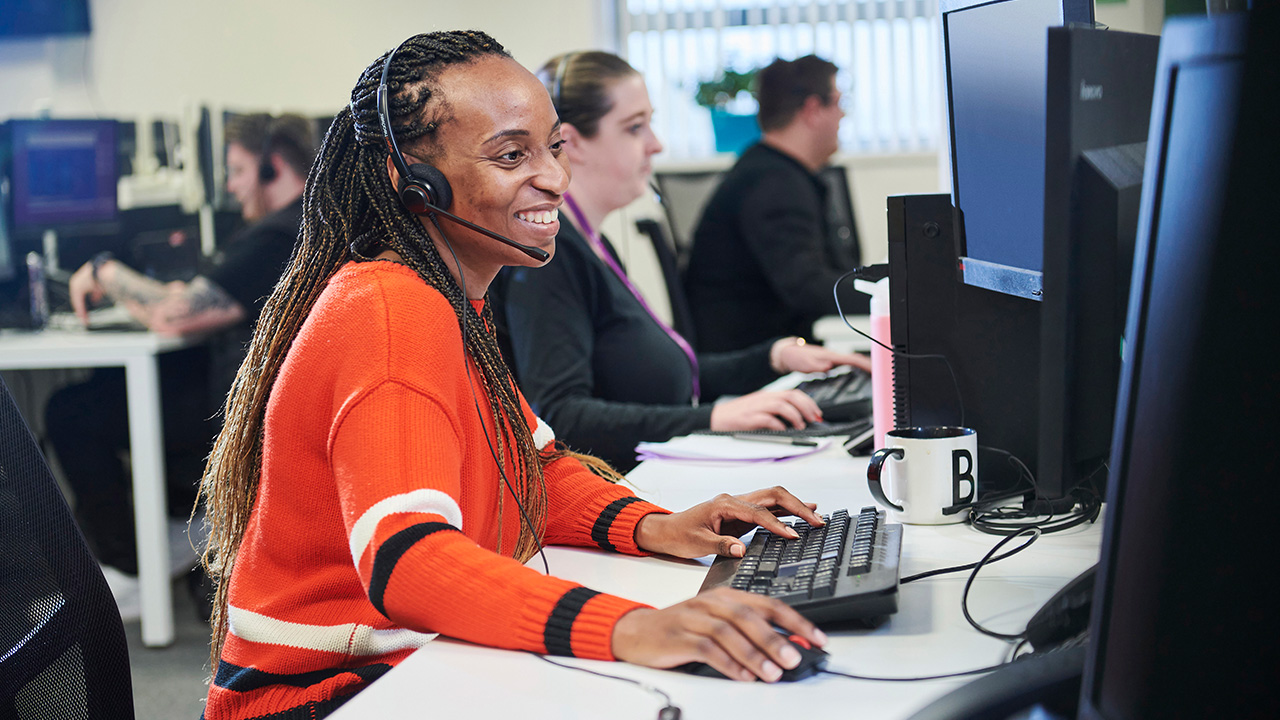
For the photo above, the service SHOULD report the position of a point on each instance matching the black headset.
(266, 170)
(422, 186)
(557, 82)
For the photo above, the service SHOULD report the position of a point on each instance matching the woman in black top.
(590, 356)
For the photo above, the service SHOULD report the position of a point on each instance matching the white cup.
(931, 474)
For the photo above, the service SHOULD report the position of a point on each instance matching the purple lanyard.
(598, 245)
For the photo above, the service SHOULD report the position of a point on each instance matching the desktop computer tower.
(990, 340)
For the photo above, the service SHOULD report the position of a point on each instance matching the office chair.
(683, 195)
(62, 645)
(668, 260)
(840, 217)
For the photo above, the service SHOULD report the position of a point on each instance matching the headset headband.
(557, 83)
(384, 116)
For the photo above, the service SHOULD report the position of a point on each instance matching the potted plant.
(731, 100)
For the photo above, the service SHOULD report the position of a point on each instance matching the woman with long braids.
(379, 478)
(593, 358)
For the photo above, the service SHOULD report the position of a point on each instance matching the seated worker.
(380, 479)
(764, 259)
(267, 164)
(591, 356)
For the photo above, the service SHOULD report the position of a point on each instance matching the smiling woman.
(379, 478)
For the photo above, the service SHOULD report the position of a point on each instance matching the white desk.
(136, 352)
(928, 635)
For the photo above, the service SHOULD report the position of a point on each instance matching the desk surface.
(927, 636)
(79, 348)
(136, 351)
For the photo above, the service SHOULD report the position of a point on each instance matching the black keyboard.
(844, 397)
(844, 570)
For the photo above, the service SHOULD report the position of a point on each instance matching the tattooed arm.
(169, 308)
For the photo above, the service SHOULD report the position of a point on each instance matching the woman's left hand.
(715, 526)
(794, 355)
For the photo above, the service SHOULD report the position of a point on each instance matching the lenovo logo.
(1090, 92)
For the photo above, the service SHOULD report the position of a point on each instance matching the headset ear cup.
(266, 171)
(414, 198)
(433, 184)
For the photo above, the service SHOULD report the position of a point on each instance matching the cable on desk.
(669, 712)
(999, 518)
(964, 598)
(971, 566)
(872, 678)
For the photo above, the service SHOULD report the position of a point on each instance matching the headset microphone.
(536, 253)
(423, 188)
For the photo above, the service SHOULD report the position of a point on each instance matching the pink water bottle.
(881, 359)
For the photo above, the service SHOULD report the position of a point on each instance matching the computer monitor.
(63, 176)
(1098, 101)
(1184, 621)
(43, 18)
(995, 55)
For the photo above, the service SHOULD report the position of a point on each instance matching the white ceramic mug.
(931, 474)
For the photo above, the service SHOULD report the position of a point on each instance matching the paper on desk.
(722, 448)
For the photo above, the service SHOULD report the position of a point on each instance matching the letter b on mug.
(930, 474)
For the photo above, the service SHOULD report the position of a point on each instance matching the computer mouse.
(812, 661)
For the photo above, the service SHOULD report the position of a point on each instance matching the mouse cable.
(976, 671)
(872, 678)
(970, 566)
(835, 288)
(670, 712)
(466, 363)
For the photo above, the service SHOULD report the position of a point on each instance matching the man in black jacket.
(764, 258)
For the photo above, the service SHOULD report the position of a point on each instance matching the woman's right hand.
(730, 630)
(766, 410)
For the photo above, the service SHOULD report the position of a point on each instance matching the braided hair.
(352, 212)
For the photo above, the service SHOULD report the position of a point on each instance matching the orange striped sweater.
(375, 524)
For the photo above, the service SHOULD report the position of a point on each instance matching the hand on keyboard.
(729, 630)
(765, 410)
(796, 356)
(715, 526)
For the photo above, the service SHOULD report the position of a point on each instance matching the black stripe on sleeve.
(600, 531)
(390, 552)
(559, 631)
(244, 679)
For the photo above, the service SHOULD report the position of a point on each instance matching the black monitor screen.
(1184, 622)
(64, 173)
(996, 55)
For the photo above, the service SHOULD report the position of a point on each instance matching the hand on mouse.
(715, 525)
(730, 630)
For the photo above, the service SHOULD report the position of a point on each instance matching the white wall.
(148, 57)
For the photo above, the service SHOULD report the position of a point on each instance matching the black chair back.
(62, 645)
